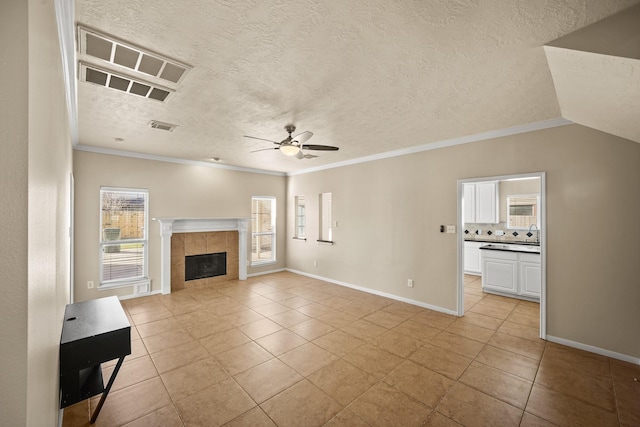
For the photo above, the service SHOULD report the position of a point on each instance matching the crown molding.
(529, 127)
(122, 153)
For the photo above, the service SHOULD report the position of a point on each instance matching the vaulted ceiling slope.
(368, 76)
(596, 71)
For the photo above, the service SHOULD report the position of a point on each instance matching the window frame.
(132, 280)
(273, 231)
(300, 226)
(523, 196)
(325, 225)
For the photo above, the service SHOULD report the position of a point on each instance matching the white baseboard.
(375, 292)
(596, 350)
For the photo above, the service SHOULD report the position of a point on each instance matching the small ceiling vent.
(113, 51)
(154, 124)
(95, 75)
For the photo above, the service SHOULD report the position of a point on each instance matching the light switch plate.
(451, 229)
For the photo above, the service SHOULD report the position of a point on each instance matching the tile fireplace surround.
(204, 229)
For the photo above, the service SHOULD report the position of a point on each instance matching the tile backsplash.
(488, 232)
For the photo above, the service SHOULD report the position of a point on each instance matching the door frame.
(543, 243)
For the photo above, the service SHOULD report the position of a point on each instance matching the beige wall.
(35, 169)
(389, 213)
(13, 185)
(175, 191)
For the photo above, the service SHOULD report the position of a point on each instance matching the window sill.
(261, 263)
(300, 238)
(123, 284)
(326, 242)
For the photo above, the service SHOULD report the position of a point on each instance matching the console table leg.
(94, 417)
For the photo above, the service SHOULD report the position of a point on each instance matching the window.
(263, 230)
(325, 231)
(522, 211)
(123, 236)
(301, 219)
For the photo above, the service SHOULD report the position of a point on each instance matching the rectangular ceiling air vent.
(155, 124)
(113, 51)
(89, 73)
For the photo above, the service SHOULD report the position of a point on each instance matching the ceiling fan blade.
(261, 139)
(320, 147)
(265, 149)
(303, 137)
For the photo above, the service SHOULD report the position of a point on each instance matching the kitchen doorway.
(503, 228)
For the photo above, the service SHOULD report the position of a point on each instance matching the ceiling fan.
(293, 145)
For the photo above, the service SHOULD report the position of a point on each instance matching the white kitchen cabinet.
(487, 202)
(530, 275)
(469, 202)
(472, 258)
(480, 202)
(500, 271)
(511, 273)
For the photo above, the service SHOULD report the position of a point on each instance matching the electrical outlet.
(410, 283)
(90, 284)
(499, 232)
(315, 263)
(451, 229)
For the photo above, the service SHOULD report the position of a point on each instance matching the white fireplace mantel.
(168, 226)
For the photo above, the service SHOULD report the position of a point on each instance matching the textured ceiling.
(369, 76)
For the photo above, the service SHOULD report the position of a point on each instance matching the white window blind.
(123, 236)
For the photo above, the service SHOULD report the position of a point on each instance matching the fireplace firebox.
(205, 265)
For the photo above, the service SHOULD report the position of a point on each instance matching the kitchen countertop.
(503, 242)
(511, 247)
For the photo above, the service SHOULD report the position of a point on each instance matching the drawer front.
(506, 255)
(532, 258)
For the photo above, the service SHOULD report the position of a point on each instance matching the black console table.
(93, 332)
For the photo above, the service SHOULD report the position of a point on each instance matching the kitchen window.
(523, 211)
(263, 230)
(124, 222)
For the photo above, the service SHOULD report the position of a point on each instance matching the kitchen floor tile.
(342, 381)
(178, 356)
(243, 357)
(518, 345)
(207, 356)
(499, 384)
(301, 405)
(346, 418)
(373, 360)
(192, 378)
(420, 383)
(516, 364)
(445, 362)
(383, 405)
(215, 405)
(472, 408)
(562, 409)
(254, 417)
(260, 328)
(457, 344)
(267, 379)
(280, 342)
(307, 358)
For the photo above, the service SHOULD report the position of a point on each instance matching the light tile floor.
(287, 350)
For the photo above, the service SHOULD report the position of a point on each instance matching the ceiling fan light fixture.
(289, 149)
